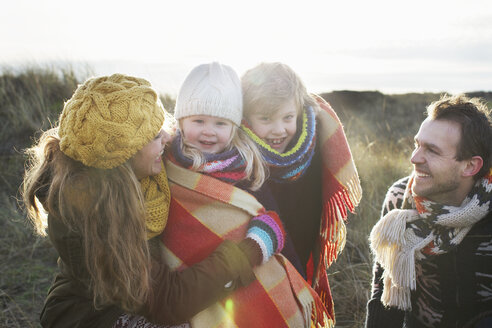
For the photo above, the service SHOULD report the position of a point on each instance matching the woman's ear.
(473, 166)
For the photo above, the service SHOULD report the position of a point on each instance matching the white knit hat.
(211, 89)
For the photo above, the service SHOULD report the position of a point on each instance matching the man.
(433, 243)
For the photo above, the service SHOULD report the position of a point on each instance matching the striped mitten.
(268, 234)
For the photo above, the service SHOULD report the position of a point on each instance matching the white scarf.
(422, 228)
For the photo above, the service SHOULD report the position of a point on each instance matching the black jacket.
(453, 289)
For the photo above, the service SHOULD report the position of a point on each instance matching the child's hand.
(268, 233)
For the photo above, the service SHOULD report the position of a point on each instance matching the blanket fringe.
(319, 317)
(323, 312)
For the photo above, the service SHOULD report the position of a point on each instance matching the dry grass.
(379, 128)
(379, 165)
(29, 101)
(28, 265)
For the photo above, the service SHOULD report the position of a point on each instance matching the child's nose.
(208, 130)
(278, 128)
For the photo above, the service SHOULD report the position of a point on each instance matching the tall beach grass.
(379, 128)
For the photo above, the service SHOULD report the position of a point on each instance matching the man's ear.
(473, 165)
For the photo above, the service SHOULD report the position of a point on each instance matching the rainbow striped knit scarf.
(228, 166)
(420, 229)
(292, 164)
(341, 189)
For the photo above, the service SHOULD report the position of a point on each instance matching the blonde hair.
(268, 86)
(255, 170)
(106, 207)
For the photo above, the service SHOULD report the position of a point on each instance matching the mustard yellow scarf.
(157, 197)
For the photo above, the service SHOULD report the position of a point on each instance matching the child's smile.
(277, 144)
(208, 134)
(206, 145)
(277, 129)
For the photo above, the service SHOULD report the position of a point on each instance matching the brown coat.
(177, 295)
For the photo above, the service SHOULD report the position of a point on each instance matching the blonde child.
(99, 177)
(211, 165)
(209, 140)
(312, 177)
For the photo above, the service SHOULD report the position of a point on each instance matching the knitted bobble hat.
(109, 119)
(211, 89)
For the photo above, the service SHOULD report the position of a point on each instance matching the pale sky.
(386, 45)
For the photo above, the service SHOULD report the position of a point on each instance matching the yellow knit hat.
(109, 119)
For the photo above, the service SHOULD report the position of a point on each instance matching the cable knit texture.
(108, 119)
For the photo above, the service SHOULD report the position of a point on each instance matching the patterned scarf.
(228, 166)
(279, 297)
(292, 164)
(341, 189)
(157, 198)
(419, 230)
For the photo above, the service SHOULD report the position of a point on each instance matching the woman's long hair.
(256, 169)
(106, 208)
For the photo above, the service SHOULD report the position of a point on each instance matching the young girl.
(210, 160)
(312, 175)
(100, 178)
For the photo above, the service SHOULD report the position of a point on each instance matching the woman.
(100, 178)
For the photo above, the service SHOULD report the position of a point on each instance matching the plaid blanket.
(205, 211)
(341, 191)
